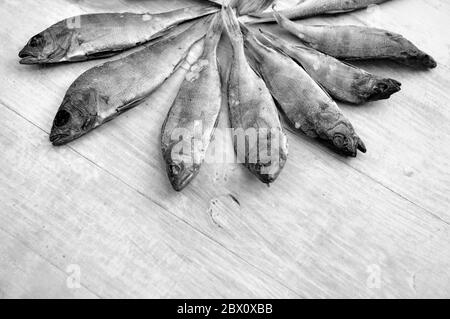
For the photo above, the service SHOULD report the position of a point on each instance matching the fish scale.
(119, 85)
(197, 103)
(350, 42)
(343, 81)
(307, 107)
(104, 34)
(309, 8)
(252, 107)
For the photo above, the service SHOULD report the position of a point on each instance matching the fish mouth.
(421, 60)
(351, 149)
(59, 139)
(180, 176)
(266, 178)
(27, 57)
(384, 89)
(359, 146)
(180, 184)
(429, 62)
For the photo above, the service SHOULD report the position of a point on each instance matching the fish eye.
(175, 169)
(36, 41)
(62, 118)
(339, 140)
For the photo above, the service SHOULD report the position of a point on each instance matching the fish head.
(345, 140)
(271, 157)
(418, 59)
(181, 174)
(266, 173)
(427, 61)
(49, 46)
(76, 116)
(381, 89)
(182, 163)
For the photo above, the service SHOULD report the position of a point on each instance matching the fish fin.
(104, 54)
(129, 106)
(332, 12)
(231, 24)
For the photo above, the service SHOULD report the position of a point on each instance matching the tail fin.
(253, 6)
(274, 42)
(279, 18)
(214, 33)
(231, 24)
(199, 27)
(199, 11)
(244, 29)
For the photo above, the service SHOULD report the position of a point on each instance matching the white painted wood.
(58, 209)
(325, 228)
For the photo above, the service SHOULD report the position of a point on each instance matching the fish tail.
(290, 26)
(251, 42)
(255, 50)
(269, 39)
(214, 33)
(197, 30)
(204, 10)
(253, 6)
(280, 19)
(231, 24)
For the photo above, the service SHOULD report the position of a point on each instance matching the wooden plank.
(318, 230)
(23, 273)
(407, 135)
(58, 210)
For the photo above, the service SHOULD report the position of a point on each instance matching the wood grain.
(104, 202)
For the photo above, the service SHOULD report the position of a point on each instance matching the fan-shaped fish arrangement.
(267, 76)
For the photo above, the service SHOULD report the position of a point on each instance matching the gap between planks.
(47, 260)
(311, 142)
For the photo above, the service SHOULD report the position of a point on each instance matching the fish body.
(101, 35)
(307, 107)
(310, 8)
(194, 114)
(106, 91)
(251, 6)
(253, 113)
(351, 42)
(342, 81)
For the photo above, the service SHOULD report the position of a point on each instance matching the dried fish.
(305, 104)
(251, 6)
(194, 114)
(358, 43)
(104, 92)
(309, 8)
(101, 35)
(253, 112)
(342, 81)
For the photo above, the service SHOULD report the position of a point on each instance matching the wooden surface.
(376, 226)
